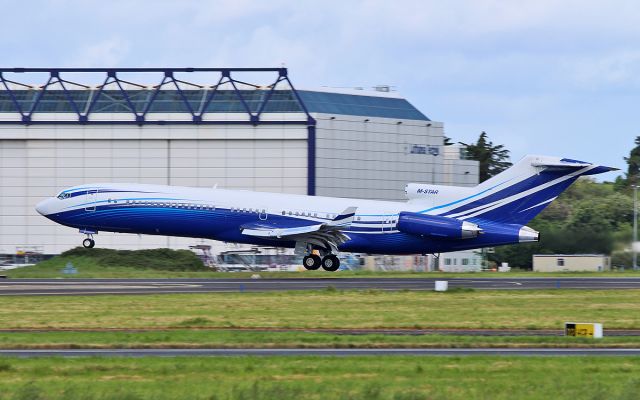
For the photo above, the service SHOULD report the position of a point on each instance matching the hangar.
(244, 128)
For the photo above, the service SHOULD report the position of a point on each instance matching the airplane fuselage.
(219, 214)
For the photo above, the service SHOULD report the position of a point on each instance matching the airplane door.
(91, 198)
(262, 214)
(387, 224)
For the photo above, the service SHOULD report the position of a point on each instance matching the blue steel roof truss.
(140, 116)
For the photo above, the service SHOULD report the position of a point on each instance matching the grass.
(93, 267)
(544, 309)
(370, 378)
(165, 339)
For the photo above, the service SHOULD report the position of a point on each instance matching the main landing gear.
(329, 262)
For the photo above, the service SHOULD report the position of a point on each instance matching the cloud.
(542, 74)
(109, 52)
(610, 71)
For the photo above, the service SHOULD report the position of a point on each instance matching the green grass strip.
(544, 309)
(283, 378)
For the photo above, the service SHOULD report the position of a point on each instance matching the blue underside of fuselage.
(224, 225)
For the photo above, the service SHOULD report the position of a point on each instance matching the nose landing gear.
(88, 243)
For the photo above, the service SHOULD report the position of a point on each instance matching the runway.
(34, 287)
(545, 352)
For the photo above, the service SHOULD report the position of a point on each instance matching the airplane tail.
(521, 192)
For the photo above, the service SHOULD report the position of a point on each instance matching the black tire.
(331, 263)
(312, 262)
(88, 243)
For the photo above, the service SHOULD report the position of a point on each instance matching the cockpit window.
(63, 196)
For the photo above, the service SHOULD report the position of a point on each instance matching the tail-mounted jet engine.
(436, 226)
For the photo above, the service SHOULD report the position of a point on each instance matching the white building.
(461, 261)
(220, 131)
(571, 262)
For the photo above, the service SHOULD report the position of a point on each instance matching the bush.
(162, 259)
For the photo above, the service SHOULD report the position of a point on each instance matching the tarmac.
(33, 287)
(545, 352)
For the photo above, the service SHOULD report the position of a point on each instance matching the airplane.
(434, 219)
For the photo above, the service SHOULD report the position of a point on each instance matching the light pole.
(635, 227)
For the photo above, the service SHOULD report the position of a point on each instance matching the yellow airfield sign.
(583, 329)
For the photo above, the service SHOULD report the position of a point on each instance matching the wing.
(327, 235)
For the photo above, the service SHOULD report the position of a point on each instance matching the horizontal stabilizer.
(568, 164)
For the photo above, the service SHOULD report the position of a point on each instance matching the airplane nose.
(44, 207)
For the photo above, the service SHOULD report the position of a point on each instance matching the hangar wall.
(257, 158)
(374, 158)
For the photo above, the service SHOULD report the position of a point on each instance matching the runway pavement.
(319, 352)
(154, 286)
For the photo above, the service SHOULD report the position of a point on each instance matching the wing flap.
(280, 232)
(328, 234)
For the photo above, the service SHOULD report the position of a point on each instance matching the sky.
(540, 77)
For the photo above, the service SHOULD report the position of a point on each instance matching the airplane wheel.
(312, 262)
(331, 263)
(88, 243)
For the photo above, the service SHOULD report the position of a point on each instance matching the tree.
(590, 217)
(633, 162)
(493, 158)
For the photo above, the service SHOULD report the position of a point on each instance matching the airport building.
(227, 128)
(571, 262)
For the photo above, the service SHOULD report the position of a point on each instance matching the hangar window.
(283, 212)
(465, 261)
(447, 261)
(560, 262)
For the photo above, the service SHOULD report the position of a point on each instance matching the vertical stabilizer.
(519, 193)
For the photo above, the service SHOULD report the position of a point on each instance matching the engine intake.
(436, 226)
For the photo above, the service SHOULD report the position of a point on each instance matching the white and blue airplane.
(435, 218)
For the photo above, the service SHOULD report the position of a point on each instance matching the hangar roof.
(364, 105)
(173, 95)
(225, 101)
